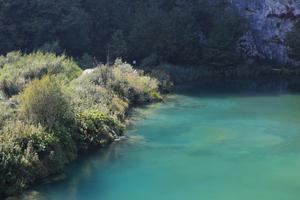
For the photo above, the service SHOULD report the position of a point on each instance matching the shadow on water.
(223, 88)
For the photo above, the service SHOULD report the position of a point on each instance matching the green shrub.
(88, 95)
(126, 82)
(96, 129)
(18, 70)
(6, 113)
(110, 90)
(45, 102)
(23, 146)
(165, 82)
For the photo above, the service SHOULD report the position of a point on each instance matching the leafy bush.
(126, 82)
(96, 129)
(22, 148)
(110, 90)
(18, 70)
(87, 95)
(45, 102)
(6, 112)
(164, 78)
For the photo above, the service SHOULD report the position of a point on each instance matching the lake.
(215, 140)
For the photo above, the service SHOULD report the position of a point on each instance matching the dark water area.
(210, 140)
(238, 86)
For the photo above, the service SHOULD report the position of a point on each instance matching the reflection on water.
(222, 140)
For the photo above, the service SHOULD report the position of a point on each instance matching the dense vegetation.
(293, 42)
(181, 32)
(50, 112)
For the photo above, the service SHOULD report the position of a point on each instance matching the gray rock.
(269, 22)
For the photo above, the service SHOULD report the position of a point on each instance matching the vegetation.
(50, 112)
(186, 32)
(44, 102)
(96, 128)
(293, 42)
(18, 70)
(23, 152)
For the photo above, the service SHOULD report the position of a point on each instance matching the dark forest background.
(181, 32)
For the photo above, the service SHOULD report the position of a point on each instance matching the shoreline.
(61, 175)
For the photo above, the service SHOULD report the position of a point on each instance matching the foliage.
(219, 50)
(6, 113)
(86, 61)
(87, 95)
(111, 89)
(164, 78)
(126, 82)
(52, 47)
(118, 46)
(23, 147)
(44, 102)
(175, 31)
(95, 129)
(18, 70)
(293, 41)
(57, 114)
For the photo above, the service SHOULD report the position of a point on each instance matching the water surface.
(225, 141)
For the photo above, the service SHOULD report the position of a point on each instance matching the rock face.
(269, 21)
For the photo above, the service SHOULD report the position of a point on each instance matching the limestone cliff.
(269, 21)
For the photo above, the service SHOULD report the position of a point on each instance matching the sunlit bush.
(18, 70)
(126, 82)
(96, 129)
(88, 95)
(23, 146)
(45, 102)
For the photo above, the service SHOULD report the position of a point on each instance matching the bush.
(23, 146)
(6, 112)
(18, 70)
(88, 95)
(110, 89)
(96, 129)
(45, 102)
(165, 82)
(126, 82)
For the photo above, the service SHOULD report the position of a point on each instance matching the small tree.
(44, 102)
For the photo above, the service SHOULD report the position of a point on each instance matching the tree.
(44, 102)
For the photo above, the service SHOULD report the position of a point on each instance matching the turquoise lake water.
(205, 143)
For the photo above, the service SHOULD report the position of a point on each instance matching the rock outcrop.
(269, 21)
